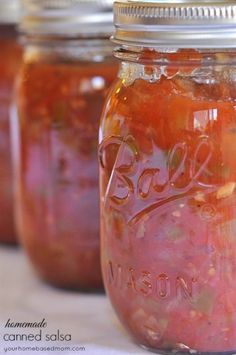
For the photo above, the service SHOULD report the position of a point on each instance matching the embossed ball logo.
(143, 186)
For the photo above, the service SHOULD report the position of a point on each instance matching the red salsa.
(168, 198)
(10, 60)
(59, 105)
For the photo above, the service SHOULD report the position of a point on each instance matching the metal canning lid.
(179, 24)
(67, 17)
(9, 11)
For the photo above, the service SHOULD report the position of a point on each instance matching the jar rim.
(67, 18)
(10, 11)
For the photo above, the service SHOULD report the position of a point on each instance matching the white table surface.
(89, 319)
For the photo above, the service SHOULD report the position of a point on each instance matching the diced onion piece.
(226, 190)
(200, 197)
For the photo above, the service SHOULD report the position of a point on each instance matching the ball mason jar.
(168, 176)
(67, 69)
(10, 59)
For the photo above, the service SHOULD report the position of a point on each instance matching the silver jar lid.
(9, 11)
(179, 24)
(67, 18)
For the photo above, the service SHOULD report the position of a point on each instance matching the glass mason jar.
(10, 59)
(67, 70)
(168, 176)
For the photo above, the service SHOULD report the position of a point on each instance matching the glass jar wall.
(168, 191)
(10, 60)
(61, 90)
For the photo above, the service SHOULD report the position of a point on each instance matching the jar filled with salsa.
(10, 59)
(168, 176)
(67, 69)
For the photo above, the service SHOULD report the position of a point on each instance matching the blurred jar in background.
(10, 58)
(67, 70)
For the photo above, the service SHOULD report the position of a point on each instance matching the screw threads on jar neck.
(182, 24)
